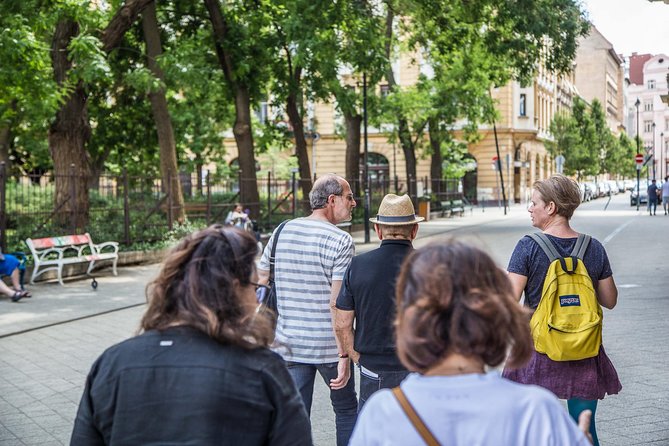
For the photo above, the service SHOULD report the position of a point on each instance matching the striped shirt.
(310, 254)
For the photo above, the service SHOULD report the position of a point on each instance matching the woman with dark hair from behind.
(456, 314)
(200, 371)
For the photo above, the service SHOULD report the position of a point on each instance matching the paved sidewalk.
(49, 342)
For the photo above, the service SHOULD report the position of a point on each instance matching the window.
(647, 126)
(262, 112)
(385, 90)
(522, 106)
(651, 84)
(648, 106)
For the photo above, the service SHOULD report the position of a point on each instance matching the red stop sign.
(638, 158)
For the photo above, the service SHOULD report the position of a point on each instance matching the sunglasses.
(261, 291)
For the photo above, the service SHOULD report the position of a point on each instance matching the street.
(42, 371)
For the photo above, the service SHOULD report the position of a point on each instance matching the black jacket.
(181, 387)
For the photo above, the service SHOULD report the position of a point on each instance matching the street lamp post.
(662, 156)
(367, 198)
(653, 152)
(638, 168)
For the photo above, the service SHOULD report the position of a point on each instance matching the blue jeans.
(383, 380)
(344, 401)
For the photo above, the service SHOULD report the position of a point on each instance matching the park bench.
(450, 207)
(52, 253)
(445, 208)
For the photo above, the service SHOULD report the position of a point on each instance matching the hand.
(343, 374)
(584, 424)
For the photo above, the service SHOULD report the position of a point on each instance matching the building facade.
(648, 114)
(599, 74)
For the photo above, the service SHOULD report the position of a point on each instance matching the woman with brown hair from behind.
(456, 314)
(200, 372)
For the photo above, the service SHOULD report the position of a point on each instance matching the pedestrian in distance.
(665, 194)
(311, 257)
(367, 298)
(201, 371)
(456, 314)
(581, 382)
(652, 197)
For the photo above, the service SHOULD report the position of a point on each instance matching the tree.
(242, 50)
(514, 38)
(575, 139)
(161, 115)
(71, 130)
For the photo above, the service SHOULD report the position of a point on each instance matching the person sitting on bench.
(9, 266)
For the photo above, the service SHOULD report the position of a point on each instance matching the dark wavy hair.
(452, 298)
(195, 287)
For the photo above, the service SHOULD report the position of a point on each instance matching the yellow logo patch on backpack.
(567, 324)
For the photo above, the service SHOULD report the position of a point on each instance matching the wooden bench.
(52, 253)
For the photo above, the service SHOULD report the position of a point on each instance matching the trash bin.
(424, 209)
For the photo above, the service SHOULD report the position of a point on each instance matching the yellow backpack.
(567, 324)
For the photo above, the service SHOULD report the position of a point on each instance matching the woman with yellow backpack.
(566, 278)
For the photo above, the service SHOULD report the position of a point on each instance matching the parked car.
(630, 184)
(643, 198)
(613, 187)
(586, 192)
(593, 189)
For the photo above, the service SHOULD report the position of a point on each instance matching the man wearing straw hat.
(368, 297)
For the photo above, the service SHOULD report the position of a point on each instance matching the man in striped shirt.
(312, 255)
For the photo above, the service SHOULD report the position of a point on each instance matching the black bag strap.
(273, 252)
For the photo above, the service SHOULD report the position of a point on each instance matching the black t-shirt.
(369, 290)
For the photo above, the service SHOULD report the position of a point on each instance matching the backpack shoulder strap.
(415, 419)
(546, 245)
(273, 252)
(581, 245)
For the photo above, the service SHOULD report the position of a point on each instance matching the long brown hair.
(196, 287)
(452, 298)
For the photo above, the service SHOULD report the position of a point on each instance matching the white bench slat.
(68, 250)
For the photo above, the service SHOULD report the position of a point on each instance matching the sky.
(632, 25)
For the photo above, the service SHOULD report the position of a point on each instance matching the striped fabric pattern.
(309, 256)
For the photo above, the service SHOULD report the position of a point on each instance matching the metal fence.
(140, 210)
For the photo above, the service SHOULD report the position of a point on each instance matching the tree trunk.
(353, 150)
(5, 141)
(242, 128)
(161, 115)
(247, 163)
(300, 147)
(70, 131)
(68, 135)
(437, 159)
(403, 125)
(6, 137)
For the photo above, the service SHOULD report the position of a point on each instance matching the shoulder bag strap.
(581, 245)
(273, 252)
(546, 245)
(414, 418)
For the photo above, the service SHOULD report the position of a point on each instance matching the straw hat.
(396, 211)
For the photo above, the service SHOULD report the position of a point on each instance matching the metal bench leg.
(60, 274)
(114, 266)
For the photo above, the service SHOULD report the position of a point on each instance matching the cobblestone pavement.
(48, 343)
